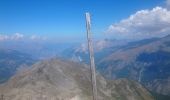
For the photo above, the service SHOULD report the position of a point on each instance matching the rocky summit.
(56, 79)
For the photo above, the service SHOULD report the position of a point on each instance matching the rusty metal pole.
(91, 54)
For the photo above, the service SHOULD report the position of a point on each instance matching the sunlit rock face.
(56, 79)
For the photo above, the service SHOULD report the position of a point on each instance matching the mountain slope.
(147, 64)
(65, 80)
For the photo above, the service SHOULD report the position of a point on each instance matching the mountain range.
(146, 61)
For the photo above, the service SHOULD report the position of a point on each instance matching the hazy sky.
(65, 18)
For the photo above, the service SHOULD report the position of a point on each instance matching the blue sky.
(65, 18)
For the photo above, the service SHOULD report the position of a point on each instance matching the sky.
(65, 19)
